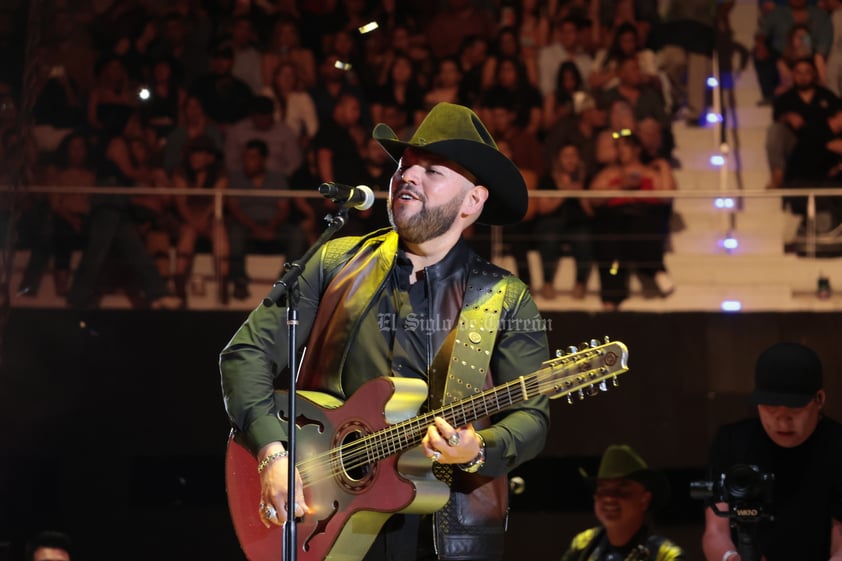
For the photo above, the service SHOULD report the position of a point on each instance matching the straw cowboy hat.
(621, 462)
(456, 133)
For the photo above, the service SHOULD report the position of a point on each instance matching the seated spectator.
(533, 30)
(66, 225)
(286, 47)
(646, 101)
(261, 219)
(805, 102)
(162, 109)
(564, 45)
(799, 45)
(59, 109)
(564, 221)
(582, 130)
(112, 100)
(195, 124)
(336, 82)
(154, 214)
(625, 490)
(201, 169)
(248, 62)
(113, 230)
(49, 546)
(562, 103)
(401, 90)
(499, 112)
(815, 162)
(624, 44)
(185, 38)
(224, 97)
(631, 233)
(339, 144)
(472, 55)
(511, 81)
(771, 39)
(284, 154)
(507, 45)
(293, 105)
(445, 86)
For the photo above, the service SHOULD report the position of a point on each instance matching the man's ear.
(475, 200)
(821, 397)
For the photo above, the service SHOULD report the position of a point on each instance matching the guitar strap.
(473, 520)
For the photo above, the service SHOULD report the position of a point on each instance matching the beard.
(428, 223)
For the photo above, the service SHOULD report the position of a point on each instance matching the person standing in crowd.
(357, 296)
(625, 490)
(791, 439)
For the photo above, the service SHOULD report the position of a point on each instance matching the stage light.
(712, 82)
(729, 243)
(713, 118)
(724, 202)
(717, 160)
(731, 306)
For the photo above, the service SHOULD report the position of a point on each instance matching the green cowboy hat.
(619, 461)
(456, 133)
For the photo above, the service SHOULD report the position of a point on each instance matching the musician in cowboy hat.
(625, 489)
(396, 303)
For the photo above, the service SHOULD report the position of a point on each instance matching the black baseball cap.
(787, 374)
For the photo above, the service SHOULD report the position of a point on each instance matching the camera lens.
(743, 482)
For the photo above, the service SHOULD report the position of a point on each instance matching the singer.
(449, 175)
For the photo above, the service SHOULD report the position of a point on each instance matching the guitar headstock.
(584, 370)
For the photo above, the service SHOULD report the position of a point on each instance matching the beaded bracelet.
(269, 459)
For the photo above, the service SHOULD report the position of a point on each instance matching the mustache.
(407, 189)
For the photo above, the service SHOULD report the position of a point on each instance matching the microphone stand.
(286, 291)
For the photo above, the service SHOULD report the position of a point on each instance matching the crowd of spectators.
(798, 57)
(278, 94)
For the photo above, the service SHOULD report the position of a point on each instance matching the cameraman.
(793, 441)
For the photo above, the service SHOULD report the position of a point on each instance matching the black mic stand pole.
(286, 291)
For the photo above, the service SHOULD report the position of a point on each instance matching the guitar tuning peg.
(583, 345)
(559, 353)
(581, 394)
(572, 349)
(603, 386)
(570, 399)
(594, 343)
(615, 382)
(606, 339)
(592, 390)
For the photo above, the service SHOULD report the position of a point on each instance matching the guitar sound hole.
(354, 460)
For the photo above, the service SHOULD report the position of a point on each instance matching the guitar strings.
(358, 453)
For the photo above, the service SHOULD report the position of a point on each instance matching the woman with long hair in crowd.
(201, 169)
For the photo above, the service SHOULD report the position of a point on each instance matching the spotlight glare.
(731, 306)
(717, 161)
(729, 243)
(713, 118)
(723, 202)
(712, 82)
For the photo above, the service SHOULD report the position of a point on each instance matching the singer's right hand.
(273, 490)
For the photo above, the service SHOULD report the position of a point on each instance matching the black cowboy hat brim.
(507, 194)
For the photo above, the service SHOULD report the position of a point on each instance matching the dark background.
(114, 428)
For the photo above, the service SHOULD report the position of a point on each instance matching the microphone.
(360, 197)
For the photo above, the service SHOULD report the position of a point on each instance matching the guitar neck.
(407, 434)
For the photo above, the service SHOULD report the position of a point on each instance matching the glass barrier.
(610, 250)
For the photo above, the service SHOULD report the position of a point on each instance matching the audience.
(193, 82)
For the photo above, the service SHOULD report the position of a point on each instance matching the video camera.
(746, 490)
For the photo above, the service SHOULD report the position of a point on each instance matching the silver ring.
(269, 512)
(436, 456)
(453, 440)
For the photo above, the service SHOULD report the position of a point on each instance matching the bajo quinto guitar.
(360, 461)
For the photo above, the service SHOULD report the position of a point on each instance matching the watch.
(474, 465)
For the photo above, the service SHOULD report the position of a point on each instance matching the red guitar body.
(349, 503)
